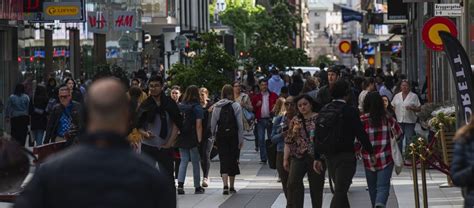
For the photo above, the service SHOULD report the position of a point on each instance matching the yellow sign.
(63, 10)
(371, 60)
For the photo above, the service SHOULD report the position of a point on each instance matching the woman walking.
(245, 102)
(16, 113)
(38, 115)
(207, 142)
(76, 93)
(281, 124)
(227, 127)
(381, 128)
(299, 149)
(190, 137)
(406, 104)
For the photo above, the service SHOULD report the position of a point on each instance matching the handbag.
(396, 153)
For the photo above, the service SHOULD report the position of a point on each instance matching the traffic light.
(241, 54)
(355, 47)
(32, 58)
(19, 59)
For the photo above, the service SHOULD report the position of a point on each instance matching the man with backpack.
(337, 125)
(227, 129)
(263, 103)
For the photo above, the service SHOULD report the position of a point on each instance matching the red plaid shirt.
(380, 136)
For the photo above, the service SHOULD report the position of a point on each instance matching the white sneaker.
(204, 182)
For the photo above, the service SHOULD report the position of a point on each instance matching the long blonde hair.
(279, 108)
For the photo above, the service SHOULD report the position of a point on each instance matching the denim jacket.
(277, 133)
(17, 106)
(462, 168)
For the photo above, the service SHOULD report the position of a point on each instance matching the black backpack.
(187, 136)
(227, 123)
(329, 127)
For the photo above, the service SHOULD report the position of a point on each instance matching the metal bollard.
(413, 154)
(421, 154)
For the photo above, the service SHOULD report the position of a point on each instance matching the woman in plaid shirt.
(381, 128)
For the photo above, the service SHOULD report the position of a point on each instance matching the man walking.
(263, 103)
(340, 156)
(65, 119)
(102, 170)
(324, 94)
(159, 120)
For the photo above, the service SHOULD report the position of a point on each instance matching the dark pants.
(165, 160)
(205, 151)
(282, 173)
(295, 189)
(343, 167)
(264, 126)
(19, 129)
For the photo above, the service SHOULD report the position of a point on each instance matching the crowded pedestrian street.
(236, 103)
(258, 186)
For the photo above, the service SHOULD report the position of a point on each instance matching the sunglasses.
(63, 97)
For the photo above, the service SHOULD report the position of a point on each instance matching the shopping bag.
(397, 156)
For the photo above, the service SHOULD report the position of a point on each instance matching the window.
(316, 14)
(317, 26)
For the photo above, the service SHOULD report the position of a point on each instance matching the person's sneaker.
(204, 182)
(180, 191)
(226, 190)
(232, 190)
(263, 162)
(199, 190)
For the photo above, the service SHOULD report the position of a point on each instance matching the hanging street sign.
(431, 29)
(448, 10)
(345, 46)
(124, 21)
(97, 22)
(65, 11)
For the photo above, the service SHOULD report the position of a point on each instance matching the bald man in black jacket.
(101, 171)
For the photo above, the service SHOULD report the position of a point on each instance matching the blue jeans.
(262, 125)
(38, 136)
(379, 185)
(186, 156)
(408, 132)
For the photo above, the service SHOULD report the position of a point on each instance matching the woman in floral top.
(299, 149)
(381, 128)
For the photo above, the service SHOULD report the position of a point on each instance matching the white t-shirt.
(265, 105)
(400, 106)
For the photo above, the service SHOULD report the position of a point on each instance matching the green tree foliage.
(212, 68)
(266, 35)
(273, 39)
(242, 16)
(323, 59)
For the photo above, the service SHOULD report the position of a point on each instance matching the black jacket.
(462, 169)
(38, 114)
(91, 176)
(353, 128)
(148, 110)
(53, 122)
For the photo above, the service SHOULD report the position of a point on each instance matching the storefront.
(10, 15)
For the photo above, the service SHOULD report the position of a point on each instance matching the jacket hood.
(276, 78)
(222, 102)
